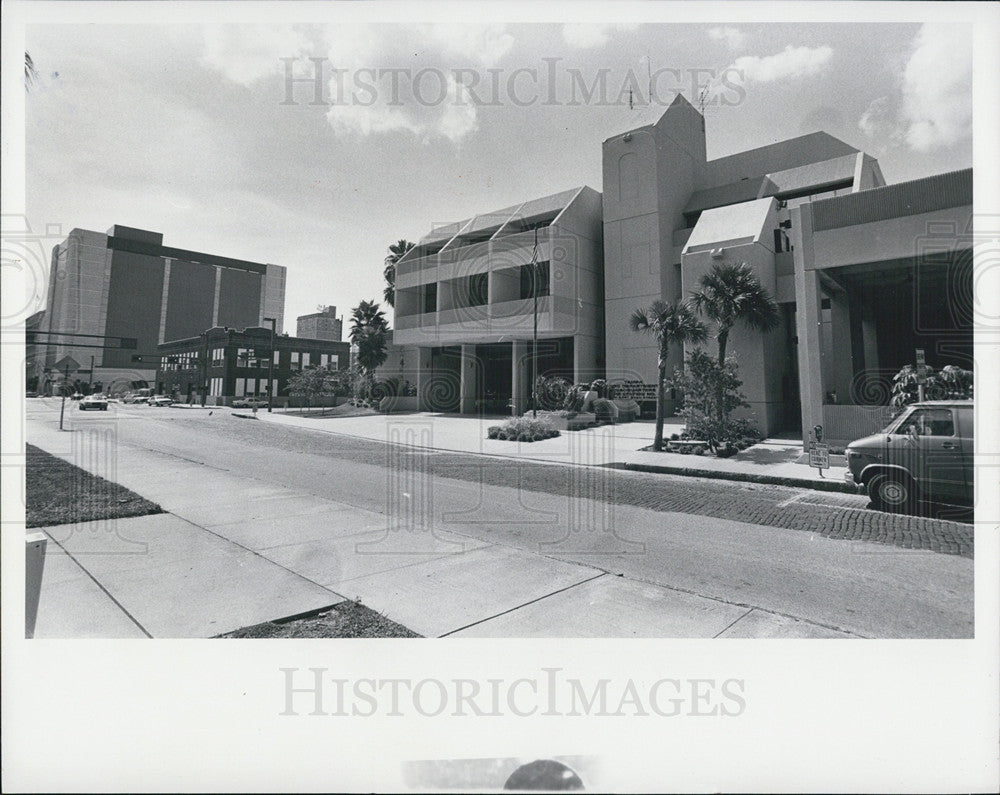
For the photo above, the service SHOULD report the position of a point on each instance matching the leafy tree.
(313, 382)
(396, 252)
(730, 293)
(951, 383)
(370, 332)
(670, 324)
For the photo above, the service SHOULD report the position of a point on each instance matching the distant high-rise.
(322, 325)
(126, 283)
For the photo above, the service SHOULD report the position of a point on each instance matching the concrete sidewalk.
(234, 550)
(776, 461)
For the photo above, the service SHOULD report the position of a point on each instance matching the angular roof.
(733, 225)
(786, 155)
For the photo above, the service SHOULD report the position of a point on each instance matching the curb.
(749, 477)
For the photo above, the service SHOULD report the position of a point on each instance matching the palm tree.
(30, 72)
(370, 332)
(730, 293)
(396, 252)
(671, 324)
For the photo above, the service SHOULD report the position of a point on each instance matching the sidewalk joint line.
(98, 583)
(529, 602)
(734, 621)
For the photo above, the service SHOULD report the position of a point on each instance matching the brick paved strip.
(749, 477)
(754, 503)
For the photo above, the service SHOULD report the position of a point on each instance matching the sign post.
(819, 453)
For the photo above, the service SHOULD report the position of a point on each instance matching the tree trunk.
(719, 392)
(658, 437)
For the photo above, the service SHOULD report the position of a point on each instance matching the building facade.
(323, 325)
(472, 296)
(223, 364)
(126, 284)
(866, 275)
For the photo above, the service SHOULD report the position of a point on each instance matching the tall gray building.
(322, 325)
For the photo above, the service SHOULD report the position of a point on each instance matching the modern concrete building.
(670, 214)
(465, 304)
(222, 364)
(865, 275)
(126, 284)
(323, 325)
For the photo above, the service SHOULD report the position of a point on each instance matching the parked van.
(924, 453)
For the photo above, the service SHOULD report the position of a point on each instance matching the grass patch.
(343, 620)
(60, 493)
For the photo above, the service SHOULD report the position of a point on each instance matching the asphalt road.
(816, 557)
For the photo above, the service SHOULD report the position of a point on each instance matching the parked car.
(30, 394)
(96, 402)
(926, 453)
(76, 396)
(160, 400)
(250, 403)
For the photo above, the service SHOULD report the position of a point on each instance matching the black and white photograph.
(484, 397)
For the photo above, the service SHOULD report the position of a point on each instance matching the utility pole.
(270, 366)
(534, 333)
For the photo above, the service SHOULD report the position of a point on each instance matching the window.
(430, 297)
(306, 359)
(276, 358)
(542, 268)
(928, 422)
(295, 360)
(478, 289)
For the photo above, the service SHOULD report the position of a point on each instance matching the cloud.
(585, 35)
(733, 37)
(484, 44)
(789, 63)
(876, 119)
(936, 108)
(246, 53)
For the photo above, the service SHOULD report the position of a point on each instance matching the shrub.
(522, 429)
(699, 449)
(551, 391)
(726, 451)
(674, 437)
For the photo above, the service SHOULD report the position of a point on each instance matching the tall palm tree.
(396, 252)
(370, 332)
(671, 324)
(30, 71)
(730, 293)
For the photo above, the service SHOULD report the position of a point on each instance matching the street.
(628, 547)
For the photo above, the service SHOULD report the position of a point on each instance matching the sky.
(194, 130)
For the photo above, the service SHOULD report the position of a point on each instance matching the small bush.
(698, 449)
(674, 437)
(522, 429)
(726, 452)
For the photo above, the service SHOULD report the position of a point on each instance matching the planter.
(397, 403)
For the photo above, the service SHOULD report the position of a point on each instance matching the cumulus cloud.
(733, 37)
(876, 119)
(936, 105)
(584, 35)
(791, 62)
(246, 53)
(482, 44)
(379, 79)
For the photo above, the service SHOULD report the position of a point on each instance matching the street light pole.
(534, 333)
(270, 366)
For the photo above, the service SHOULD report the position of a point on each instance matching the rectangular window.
(324, 360)
(478, 289)
(306, 358)
(295, 360)
(542, 269)
(334, 361)
(276, 358)
(430, 297)
(240, 386)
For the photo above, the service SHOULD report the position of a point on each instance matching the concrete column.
(423, 377)
(520, 376)
(218, 294)
(469, 377)
(842, 362)
(164, 298)
(808, 319)
(585, 359)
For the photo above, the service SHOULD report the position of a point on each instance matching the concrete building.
(864, 274)
(222, 364)
(126, 284)
(465, 304)
(323, 325)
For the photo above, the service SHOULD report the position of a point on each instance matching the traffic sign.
(819, 455)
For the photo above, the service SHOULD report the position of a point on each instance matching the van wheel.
(892, 493)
